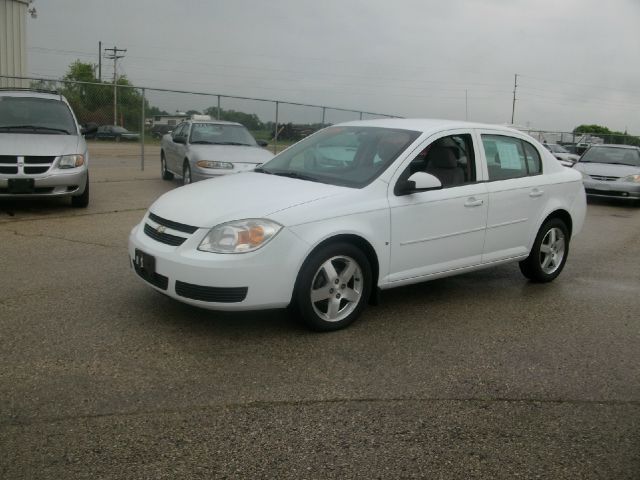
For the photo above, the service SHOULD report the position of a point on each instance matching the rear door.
(517, 194)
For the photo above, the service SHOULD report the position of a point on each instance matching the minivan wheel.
(186, 173)
(166, 174)
(549, 252)
(333, 287)
(82, 201)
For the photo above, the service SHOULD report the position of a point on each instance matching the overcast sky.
(578, 60)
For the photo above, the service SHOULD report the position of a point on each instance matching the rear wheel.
(333, 287)
(82, 201)
(186, 173)
(549, 252)
(166, 174)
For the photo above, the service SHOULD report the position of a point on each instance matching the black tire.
(547, 251)
(313, 277)
(82, 201)
(166, 174)
(186, 173)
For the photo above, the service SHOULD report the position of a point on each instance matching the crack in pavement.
(34, 235)
(37, 219)
(292, 403)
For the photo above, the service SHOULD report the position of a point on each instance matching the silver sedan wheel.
(186, 175)
(552, 250)
(336, 289)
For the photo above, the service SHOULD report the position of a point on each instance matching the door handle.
(536, 192)
(472, 202)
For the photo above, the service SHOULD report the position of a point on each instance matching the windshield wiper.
(299, 176)
(262, 170)
(36, 127)
(231, 143)
(202, 142)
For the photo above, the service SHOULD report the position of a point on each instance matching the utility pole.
(100, 61)
(114, 56)
(513, 107)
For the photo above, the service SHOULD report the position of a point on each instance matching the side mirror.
(180, 139)
(262, 143)
(418, 182)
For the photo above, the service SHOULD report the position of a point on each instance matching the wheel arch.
(358, 241)
(563, 215)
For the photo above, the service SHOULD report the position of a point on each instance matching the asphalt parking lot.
(479, 376)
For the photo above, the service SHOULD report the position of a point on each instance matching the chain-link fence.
(124, 112)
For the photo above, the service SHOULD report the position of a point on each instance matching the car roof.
(614, 145)
(32, 93)
(214, 122)
(426, 125)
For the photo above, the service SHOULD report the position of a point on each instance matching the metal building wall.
(13, 42)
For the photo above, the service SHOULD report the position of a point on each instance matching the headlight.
(239, 236)
(631, 178)
(214, 164)
(71, 161)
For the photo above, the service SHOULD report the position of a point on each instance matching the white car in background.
(359, 207)
(201, 149)
(564, 156)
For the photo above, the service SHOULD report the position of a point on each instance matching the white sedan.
(357, 208)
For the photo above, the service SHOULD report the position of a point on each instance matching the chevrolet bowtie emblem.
(160, 229)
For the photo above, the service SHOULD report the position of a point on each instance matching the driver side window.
(450, 159)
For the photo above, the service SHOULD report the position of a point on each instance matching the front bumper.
(612, 189)
(246, 281)
(54, 184)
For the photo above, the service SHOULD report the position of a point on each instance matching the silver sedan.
(198, 150)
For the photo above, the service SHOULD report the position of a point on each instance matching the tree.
(249, 120)
(607, 135)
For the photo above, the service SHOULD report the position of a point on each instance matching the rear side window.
(509, 157)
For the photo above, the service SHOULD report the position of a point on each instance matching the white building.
(13, 42)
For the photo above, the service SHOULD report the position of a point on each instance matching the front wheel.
(333, 287)
(166, 174)
(549, 252)
(82, 201)
(186, 173)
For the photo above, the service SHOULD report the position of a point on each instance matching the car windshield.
(36, 115)
(612, 155)
(120, 130)
(347, 156)
(220, 134)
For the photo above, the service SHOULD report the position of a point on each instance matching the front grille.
(604, 178)
(211, 294)
(155, 279)
(10, 170)
(35, 170)
(162, 237)
(38, 160)
(181, 227)
(10, 159)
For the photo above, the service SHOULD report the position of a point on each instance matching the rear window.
(36, 115)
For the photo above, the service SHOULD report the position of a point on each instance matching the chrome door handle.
(536, 192)
(472, 202)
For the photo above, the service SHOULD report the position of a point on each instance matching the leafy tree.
(609, 136)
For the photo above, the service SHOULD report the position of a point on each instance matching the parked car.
(611, 171)
(359, 207)
(201, 149)
(42, 151)
(161, 129)
(114, 132)
(564, 156)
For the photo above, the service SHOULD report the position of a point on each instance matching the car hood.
(567, 156)
(235, 197)
(606, 169)
(39, 145)
(230, 153)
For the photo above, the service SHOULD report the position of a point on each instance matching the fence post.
(324, 111)
(142, 125)
(360, 115)
(218, 107)
(275, 138)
